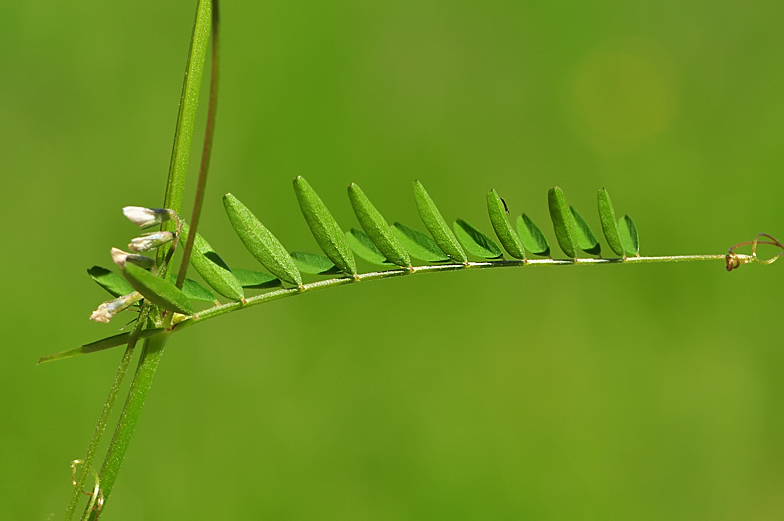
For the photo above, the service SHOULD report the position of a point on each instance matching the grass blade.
(99, 345)
(435, 224)
(324, 228)
(377, 228)
(503, 230)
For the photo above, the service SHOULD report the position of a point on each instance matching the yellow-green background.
(622, 392)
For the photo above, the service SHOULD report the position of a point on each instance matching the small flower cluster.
(144, 218)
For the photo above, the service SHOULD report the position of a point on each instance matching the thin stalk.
(154, 346)
(186, 116)
(223, 309)
(378, 275)
(207, 150)
(107, 409)
(142, 381)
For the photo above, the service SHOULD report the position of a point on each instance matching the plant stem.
(186, 116)
(107, 409)
(154, 346)
(142, 381)
(377, 275)
(207, 150)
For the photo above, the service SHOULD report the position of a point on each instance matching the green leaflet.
(436, 225)
(324, 228)
(314, 264)
(255, 279)
(509, 239)
(609, 224)
(100, 345)
(260, 242)
(195, 291)
(629, 237)
(376, 228)
(532, 237)
(420, 245)
(585, 237)
(563, 222)
(110, 281)
(364, 247)
(159, 291)
(212, 269)
(476, 242)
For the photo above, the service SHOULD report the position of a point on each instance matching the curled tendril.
(734, 261)
(96, 496)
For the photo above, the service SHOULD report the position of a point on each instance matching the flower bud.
(108, 309)
(146, 217)
(150, 241)
(120, 258)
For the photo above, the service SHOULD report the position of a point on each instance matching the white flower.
(108, 309)
(149, 241)
(101, 314)
(120, 258)
(146, 217)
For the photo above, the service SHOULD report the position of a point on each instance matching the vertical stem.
(107, 408)
(154, 346)
(142, 381)
(186, 117)
(207, 150)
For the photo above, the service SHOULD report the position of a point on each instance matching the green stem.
(377, 275)
(186, 117)
(142, 381)
(207, 150)
(154, 346)
(107, 409)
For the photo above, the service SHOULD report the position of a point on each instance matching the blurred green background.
(622, 392)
